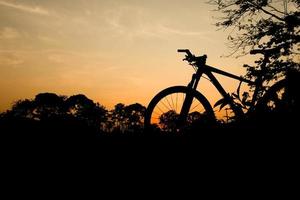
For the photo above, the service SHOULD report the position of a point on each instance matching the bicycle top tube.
(218, 71)
(200, 62)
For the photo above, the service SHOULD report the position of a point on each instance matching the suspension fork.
(189, 96)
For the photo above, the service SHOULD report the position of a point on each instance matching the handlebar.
(187, 51)
(192, 59)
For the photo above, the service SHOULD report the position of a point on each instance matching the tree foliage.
(168, 121)
(51, 107)
(76, 110)
(271, 28)
(127, 118)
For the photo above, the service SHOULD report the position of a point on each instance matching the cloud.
(10, 59)
(48, 40)
(133, 21)
(168, 30)
(29, 9)
(9, 33)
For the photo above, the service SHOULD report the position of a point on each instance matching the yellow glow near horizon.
(111, 51)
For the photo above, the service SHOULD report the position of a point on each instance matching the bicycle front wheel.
(163, 112)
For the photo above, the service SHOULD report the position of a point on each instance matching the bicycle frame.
(186, 115)
(208, 71)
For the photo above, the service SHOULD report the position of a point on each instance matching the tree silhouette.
(117, 117)
(169, 121)
(55, 116)
(266, 27)
(127, 118)
(48, 105)
(135, 117)
(85, 109)
(53, 113)
(22, 109)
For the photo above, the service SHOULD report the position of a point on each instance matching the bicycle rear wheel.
(163, 112)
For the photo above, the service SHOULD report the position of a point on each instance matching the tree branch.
(281, 12)
(265, 11)
(273, 15)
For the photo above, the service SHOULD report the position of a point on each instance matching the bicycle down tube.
(208, 71)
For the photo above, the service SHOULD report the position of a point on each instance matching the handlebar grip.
(183, 50)
(187, 51)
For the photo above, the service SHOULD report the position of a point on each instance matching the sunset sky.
(111, 51)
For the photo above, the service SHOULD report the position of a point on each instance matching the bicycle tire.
(175, 90)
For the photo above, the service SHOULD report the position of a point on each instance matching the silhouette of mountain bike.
(178, 108)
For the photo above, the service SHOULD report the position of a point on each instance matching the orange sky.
(111, 51)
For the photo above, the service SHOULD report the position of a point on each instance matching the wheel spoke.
(176, 100)
(195, 107)
(173, 103)
(162, 101)
(168, 105)
(160, 109)
(156, 113)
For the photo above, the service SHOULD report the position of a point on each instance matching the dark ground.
(63, 156)
(50, 137)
